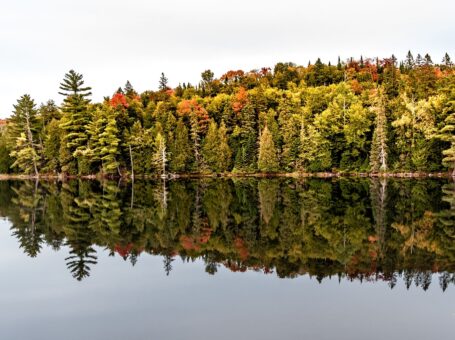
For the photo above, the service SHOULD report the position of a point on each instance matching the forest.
(354, 229)
(360, 115)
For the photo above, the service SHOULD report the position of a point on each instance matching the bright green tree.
(379, 150)
(180, 148)
(268, 159)
(74, 122)
(23, 126)
(447, 133)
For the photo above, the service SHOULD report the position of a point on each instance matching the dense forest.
(356, 229)
(366, 115)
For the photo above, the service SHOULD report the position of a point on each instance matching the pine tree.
(268, 159)
(180, 148)
(25, 156)
(409, 62)
(23, 126)
(51, 146)
(74, 122)
(378, 153)
(162, 84)
(103, 147)
(447, 62)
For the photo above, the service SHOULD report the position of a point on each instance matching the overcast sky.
(111, 41)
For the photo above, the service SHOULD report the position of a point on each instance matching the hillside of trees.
(367, 115)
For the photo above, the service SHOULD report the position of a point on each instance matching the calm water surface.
(228, 259)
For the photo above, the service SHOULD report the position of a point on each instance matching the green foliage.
(180, 148)
(22, 129)
(361, 115)
(215, 149)
(74, 122)
(268, 159)
(358, 229)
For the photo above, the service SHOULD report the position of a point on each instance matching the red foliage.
(123, 251)
(265, 71)
(194, 242)
(117, 100)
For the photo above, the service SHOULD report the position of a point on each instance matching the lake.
(235, 258)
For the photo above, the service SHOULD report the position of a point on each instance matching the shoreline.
(416, 175)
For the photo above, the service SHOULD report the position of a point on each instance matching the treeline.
(357, 116)
(365, 229)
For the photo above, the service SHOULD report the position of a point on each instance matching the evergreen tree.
(23, 126)
(51, 146)
(409, 62)
(5, 158)
(74, 123)
(215, 150)
(379, 153)
(447, 132)
(162, 84)
(268, 159)
(224, 150)
(180, 148)
(446, 61)
(209, 147)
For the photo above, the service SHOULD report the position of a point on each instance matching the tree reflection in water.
(356, 229)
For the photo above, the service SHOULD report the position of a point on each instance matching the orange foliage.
(232, 76)
(240, 100)
(241, 248)
(356, 87)
(117, 100)
(190, 107)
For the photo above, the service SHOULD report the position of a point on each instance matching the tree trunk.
(132, 163)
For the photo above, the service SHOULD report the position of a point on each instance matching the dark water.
(228, 259)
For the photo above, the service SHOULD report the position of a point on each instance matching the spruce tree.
(74, 122)
(268, 159)
(180, 148)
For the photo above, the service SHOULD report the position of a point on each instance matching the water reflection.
(362, 229)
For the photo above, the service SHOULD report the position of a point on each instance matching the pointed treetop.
(73, 85)
(162, 84)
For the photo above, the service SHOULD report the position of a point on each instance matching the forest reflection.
(354, 229)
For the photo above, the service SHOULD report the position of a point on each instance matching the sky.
(112, 41)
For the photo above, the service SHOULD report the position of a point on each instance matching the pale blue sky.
(112, 41)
